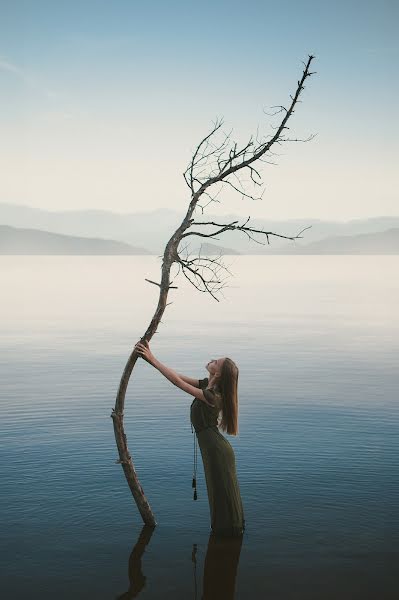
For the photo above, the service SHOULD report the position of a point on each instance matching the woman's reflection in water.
(136, 578)
(220, 567)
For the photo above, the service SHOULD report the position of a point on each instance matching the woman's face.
(215, 365)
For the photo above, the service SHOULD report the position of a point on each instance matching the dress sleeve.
(209, 396)
(203, 383)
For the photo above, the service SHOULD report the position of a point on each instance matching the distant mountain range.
(34, 241)
(382, 242)
(27, 230)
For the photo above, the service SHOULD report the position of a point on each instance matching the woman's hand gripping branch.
(143, 349)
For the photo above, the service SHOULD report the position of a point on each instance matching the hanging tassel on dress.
(194, 482)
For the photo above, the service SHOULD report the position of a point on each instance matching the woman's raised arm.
(143, 349)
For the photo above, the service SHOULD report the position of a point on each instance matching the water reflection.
(137, 580)
(220, 567)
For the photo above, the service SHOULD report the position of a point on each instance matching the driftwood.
(215, 163)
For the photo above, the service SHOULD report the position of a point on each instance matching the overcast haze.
(103, 103)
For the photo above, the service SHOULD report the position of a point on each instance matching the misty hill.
(213, 250)
(33, 241)
(149, 230)
(152, 229)
(385, 242)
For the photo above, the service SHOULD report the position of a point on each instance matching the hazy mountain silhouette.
(212, 250)
(33, 241)
(151, 230)
(382, 242)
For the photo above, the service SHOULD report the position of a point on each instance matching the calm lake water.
(317, 342)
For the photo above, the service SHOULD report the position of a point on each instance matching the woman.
(212, 395)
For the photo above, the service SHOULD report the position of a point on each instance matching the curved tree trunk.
(125, 458)
(223, 162)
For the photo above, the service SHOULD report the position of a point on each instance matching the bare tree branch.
(226, 158)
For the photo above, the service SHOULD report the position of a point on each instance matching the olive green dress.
(226, 509)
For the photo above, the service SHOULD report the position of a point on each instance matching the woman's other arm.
(190, 380)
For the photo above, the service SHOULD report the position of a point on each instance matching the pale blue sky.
(103, 102)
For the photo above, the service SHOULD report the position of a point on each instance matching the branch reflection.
(136, 578)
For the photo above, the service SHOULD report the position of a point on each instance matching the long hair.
(228, 383)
